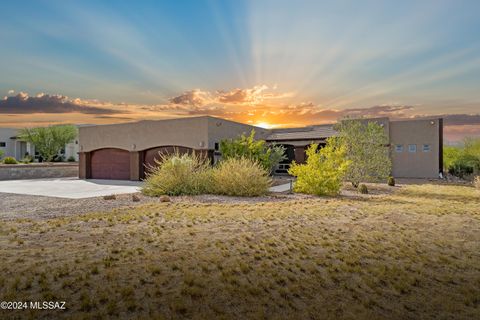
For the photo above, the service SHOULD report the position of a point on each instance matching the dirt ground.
(406, 252)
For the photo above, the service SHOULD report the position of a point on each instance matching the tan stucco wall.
(419, 164)
(219, 129)
(137, 136)
(196, 133)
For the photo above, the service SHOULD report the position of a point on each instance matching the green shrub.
(187, 174)
(240, 177)
(1, 154)
(71, 159)
(363, 189)
(463, 160)
(257, 150)
(10, 160)
(323, 172)
(391, 181)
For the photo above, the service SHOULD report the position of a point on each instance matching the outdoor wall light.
(432, 122)
(201, 144)
(134, 146)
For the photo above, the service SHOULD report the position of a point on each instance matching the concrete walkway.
(280, 188)
(71, 188)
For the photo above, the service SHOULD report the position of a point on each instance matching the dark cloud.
(194, 97)
(45, 103)
(379, 111)
(457, 119)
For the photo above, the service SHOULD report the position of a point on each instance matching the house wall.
(219, 129)
(10, 144)
(136, 136)
(419, 164)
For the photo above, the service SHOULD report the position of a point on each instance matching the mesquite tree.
(367, 149)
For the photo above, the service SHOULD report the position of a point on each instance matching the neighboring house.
(12, 146)
(123, 151)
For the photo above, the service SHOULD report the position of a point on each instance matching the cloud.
(250, 96)
(194, 97)
(458, 119)
(22, 103)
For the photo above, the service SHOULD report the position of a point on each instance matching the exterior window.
(3, 144)
(216, 146)
(426, 148)
(399, 148)
(412, 148)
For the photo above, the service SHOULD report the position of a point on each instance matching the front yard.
(413, 253)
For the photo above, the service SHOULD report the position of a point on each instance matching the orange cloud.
(258, 104)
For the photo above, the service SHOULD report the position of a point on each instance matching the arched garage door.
(110, 163)
(150, 155)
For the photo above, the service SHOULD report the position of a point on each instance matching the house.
(124, 151)
(12, 146)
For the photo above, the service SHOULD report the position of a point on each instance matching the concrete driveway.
(71, 188)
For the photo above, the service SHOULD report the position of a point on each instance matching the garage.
(110, 163)
(150, 155)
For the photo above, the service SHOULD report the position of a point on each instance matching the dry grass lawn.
(410, 254)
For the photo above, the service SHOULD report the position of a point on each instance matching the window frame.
(414, 150)
(428, 149)
(399, 148)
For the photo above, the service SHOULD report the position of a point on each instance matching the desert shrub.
(240, 177)
(9, 160)
(323, 172)
(175, 174)
(363, 189)
(476, 182)
(257, 150)
(27, 159)
(71, 159)
(391, 181)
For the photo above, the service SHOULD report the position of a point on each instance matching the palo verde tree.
(257, 150)
(49, 141)
(366, 145)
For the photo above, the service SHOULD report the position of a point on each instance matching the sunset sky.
(270, 63)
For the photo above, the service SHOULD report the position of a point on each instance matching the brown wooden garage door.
(110, 163)
(151, 154)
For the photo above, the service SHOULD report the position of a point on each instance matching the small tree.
(367, 149)
(323, 172)
(49, 141)
(257, 150)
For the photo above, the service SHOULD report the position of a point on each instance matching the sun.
(264, 125)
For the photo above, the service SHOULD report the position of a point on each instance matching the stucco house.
(12, 146)
(124, 151)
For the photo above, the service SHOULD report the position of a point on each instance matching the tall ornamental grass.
(177, 174)
(241, 177)
(192, 174)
